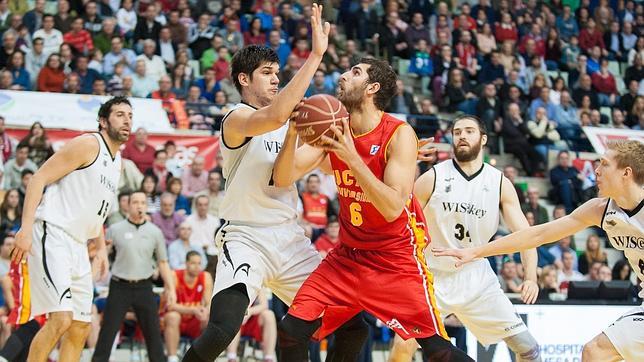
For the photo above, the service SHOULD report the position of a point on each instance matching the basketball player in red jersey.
(189, 315)
(17, 346)
(379, 266)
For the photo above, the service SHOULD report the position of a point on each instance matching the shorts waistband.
(127, 281)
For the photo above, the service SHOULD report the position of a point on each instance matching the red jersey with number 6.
(362, 226)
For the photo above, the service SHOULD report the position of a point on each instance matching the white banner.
(74, 111)
(599, 136)
(561, 330)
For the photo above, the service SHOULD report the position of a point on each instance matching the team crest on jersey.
(374, 149)
(448, 187)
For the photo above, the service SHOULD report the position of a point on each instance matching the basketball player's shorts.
(394, 286)
(627, 334)
(190, 327)
(277, 257)
(473, 293)
(21, 312)
(59, 273)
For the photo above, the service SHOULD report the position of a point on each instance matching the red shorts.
(190, 327)
(394, 286)
(252, 328)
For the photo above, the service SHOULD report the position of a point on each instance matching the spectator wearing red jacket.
(506, 30)
(605, 85)
(167, 97)
(52, 76)
(539, 41)
(591, 37)
(315, 205)
(329, 239)
(79, 38)
(221, 66)
(139, 151)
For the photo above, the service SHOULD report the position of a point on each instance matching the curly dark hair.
(381, 72)
(249, 58)
(106, 108)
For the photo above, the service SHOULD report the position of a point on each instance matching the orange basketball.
(316, 115)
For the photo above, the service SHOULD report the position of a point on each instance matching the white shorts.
(627, 335)
(60, 273)
(277, 257)
(474, 295)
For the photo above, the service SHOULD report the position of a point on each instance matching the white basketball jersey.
(463, 212)
(625, 230)
(251, 198)
(80, 201)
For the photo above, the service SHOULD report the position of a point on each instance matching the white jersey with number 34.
(463, 211)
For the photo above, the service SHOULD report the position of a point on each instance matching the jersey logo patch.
(244, 267)
(374, 149)
(611, 222)
(394, 324)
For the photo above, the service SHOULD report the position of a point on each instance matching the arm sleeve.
(161, 251)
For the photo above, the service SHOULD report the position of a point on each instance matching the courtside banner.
(599, 136)
(188, 146)
(75, 111)
(561, 330)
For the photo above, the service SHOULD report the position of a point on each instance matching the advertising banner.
(75, 111)
(187, 145)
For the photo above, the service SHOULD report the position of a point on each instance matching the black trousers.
(140, 297)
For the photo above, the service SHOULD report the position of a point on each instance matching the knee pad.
(524, 346)
(294, 331)
(349, 340)
(227, 311)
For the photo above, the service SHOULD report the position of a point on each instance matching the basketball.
(316, 115)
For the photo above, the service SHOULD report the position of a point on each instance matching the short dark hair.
(381, 72)
(156, 153)
(45, 16)
(312, 176)
(106, 108)
(479, 123)
(190, 254)
(123, 194)
(250, 58)
(22, 145)
(26, 172)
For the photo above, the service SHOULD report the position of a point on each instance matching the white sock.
(173, 358)
(269, 358)
(231, 356)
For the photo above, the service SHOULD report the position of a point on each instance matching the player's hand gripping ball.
(316, 114)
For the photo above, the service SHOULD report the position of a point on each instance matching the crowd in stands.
(535, 71)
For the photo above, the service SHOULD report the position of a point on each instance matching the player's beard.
(468, 155)
(114, 134)
(352, 98)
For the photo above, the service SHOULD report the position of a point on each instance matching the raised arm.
(588, 214)
(514, 218)
(248, 123)
(79, 152)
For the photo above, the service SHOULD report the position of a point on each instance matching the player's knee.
(60, 322)
(268, 319)
(172, 319)
(403, 350)
(355, 330)
(524, 346)
(294, 331)
(594, 350)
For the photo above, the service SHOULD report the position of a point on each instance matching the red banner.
(188, 146)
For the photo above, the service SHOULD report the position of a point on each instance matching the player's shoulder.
(592, 211)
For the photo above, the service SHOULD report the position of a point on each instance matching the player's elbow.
(393, 214)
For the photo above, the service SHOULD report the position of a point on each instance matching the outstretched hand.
(319, 31)
(462, 256)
